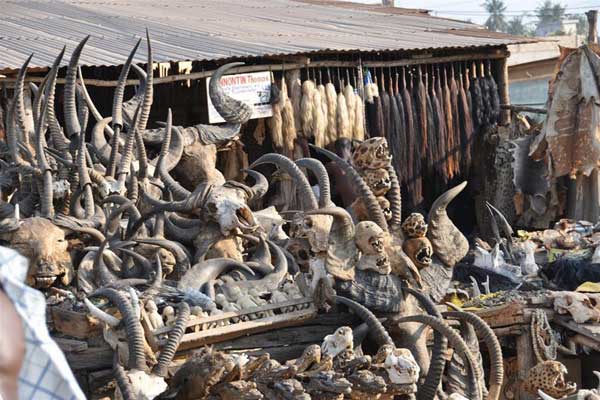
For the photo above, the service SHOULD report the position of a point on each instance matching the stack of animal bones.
(104, 221)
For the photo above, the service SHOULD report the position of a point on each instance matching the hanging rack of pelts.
(430, 115)
(429, 112)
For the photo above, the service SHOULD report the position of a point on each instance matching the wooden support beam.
(436, 60)
(516, 108)
(502, 75)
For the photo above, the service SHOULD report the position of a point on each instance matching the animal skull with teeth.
(379, 263)
(378, 180)
(370, 238)
(372, 154)
(226, 205)
(549, 377)
(45, 246)
(419, 250)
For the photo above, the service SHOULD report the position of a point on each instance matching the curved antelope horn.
(292, 169)
(46, 196)
(181, 234)
(20, 101)
(318, 169)
(260, 187)
(339, 214)
(101, 148)
(72, 125)
(148, 91)
(122, 380)
(38, 98)
(433, 378)
(395, 198)
(175, 336)
(101, 315)
(232, 110)
(85, 183)
(181, 254)
(165, 145)
(135, 333)
(487, 335)
(473, 388)
(143, 261)
(126, 157)
(373, 207)
(380, 334)
(117, 112)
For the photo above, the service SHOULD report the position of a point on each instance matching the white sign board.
(253, 88)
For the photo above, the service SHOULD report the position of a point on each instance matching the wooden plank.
(434, 60)
(223, 333)
(94, 358)
(525, 361)
(505, 315)
(71, 345)
(591, 331)
(247, 311)
(73, 323)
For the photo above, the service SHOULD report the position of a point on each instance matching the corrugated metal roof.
(218, 29)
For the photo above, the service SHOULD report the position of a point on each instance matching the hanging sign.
(253, 88)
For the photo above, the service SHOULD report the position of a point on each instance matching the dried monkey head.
(419, 250)
(370, 238)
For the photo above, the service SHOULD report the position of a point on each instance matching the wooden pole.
(592, 17)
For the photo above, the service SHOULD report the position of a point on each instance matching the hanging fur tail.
(359, 119)
(319, 119)
(351, 104)
(331, 98)
(343, 127)
(306, 108)
(288, 125)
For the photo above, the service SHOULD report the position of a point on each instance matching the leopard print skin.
(548, 376)
(372, 154)
(378, 180)
(414, 226)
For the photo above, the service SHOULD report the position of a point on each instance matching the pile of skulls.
(168, 239)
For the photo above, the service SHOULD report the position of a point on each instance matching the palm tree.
(516, 26)
(496, 21)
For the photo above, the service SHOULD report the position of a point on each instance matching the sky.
(471, 9)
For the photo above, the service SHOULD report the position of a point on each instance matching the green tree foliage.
(496, 21)
(549, 16)
(517, 27)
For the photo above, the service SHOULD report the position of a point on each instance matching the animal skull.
(419, 250)
(227, 206)
(61, 188)
(401, 366)
(369, 238)
(379, 263)
(414, 226)
(45, 246)
(378, 180)
(582, 307)
(272, 223)
(316, 229)
(372, 154)
(337, 342)
(385, 207)
(549, 377)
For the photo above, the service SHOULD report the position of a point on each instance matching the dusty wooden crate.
(231, 325)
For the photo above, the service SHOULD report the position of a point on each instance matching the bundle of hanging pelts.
(282, 124)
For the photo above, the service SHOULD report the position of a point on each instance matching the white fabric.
(45, 374)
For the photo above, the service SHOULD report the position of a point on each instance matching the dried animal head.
(378, 180)
(315, 228)
(167, 261)
(549, 377)
(272, 223)
(45, 246)
(370, 238)
(400, 364)
(414, 226)
(379, 263)
(227, 205)
(300, 250)
(419, 250)
(337, 342)
(581, 306)
(372, 154)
